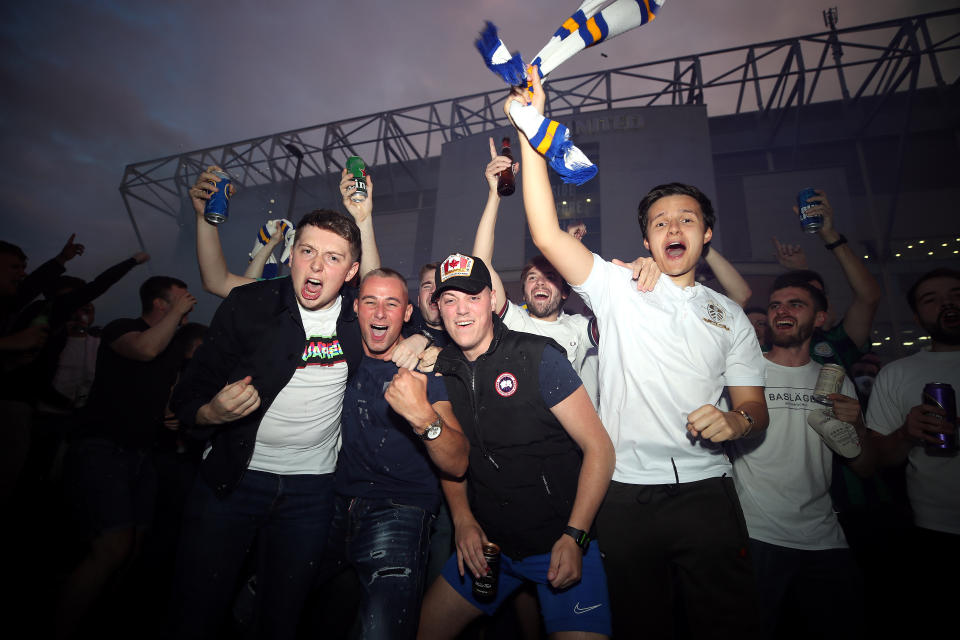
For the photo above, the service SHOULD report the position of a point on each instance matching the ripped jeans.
(386, 543)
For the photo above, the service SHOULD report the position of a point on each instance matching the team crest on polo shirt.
(456, 266)
(715, 315)
(824, 350)
(506, 384)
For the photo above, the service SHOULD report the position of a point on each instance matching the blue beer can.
(811, 220)
(218, 206)
(941, 394)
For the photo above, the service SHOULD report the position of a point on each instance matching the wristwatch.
(748, 419)
(580, 537)
(432, 431)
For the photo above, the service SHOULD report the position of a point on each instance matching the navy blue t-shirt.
(557, 377)
(381, 456)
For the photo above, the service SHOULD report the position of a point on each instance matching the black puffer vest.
(524, 467)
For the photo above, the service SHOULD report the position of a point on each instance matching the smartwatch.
(580, 537)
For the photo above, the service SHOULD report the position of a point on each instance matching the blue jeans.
(288, 516)
(386, 543)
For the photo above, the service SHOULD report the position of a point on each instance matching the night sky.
(89, 87)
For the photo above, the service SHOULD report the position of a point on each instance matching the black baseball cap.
(463, 273)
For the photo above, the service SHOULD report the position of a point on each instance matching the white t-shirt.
(664, 353)
(300, 432)
(572, 332)
(933, 482)
(783, 476)
(76, 369)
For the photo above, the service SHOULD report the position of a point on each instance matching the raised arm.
(858, 319)
(64, 305)
(147, 345)
(729, 278)
(567, 254)
(362, 213)
(486, 230)
(259, 260)
(214, 275)
(40, 279)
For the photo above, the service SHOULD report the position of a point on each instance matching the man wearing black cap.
(540, 463)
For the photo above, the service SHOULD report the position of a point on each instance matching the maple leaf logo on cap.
(456, 266)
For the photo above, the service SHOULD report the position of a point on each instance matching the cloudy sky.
(91, 86)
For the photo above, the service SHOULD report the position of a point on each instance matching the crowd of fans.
(301, 468)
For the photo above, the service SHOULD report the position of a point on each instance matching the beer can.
(829, 381)
(358, 168)
(485, 587)
(941, 394)
(811, 220)
(218, 206)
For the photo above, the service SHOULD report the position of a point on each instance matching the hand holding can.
(485, 587)
(358, 168)
(810, 211)
(942, 396)
(217, 209)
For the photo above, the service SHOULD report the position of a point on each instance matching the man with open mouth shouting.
(399, 431)
(671, 515)
(268, 384)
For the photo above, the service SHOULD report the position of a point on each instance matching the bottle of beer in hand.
(505, 183)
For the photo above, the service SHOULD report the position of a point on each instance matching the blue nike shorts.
(583, 607)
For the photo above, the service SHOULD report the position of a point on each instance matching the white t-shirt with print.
(663, 354)
(300, 432)
(933, 482)
(783, 475)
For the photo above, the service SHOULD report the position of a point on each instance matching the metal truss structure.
(862, 66)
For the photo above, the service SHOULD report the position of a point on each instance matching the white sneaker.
(840, 436)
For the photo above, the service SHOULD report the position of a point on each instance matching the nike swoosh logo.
(578, 609)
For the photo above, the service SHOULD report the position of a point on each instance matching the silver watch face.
(432, 432)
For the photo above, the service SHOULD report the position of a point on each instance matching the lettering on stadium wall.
(588, 126)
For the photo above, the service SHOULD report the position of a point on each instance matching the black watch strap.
(580, 537)
(836, 243)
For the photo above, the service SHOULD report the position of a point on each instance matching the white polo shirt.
(663, 354)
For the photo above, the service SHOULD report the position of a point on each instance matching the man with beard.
(783, 482)
(671, 516)
(544, 290)
(266, 386)
(394, 444)
(903, 423)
